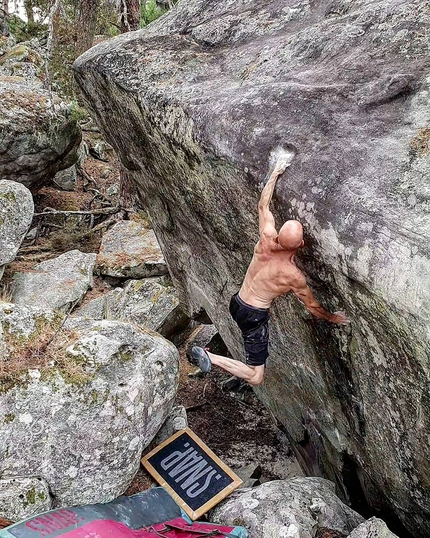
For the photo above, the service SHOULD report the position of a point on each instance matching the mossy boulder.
(89, 397)
(40, 134)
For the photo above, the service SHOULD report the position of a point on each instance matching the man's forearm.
(267, 192)
(319, 312)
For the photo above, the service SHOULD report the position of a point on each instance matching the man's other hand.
(339, 318)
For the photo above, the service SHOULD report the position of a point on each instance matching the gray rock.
(82, 420)
(288, 508)
(249, 471)
(66, 179)
(151, 303)
(58, 283)
(40, 135)
(16, 214)
(23, 497)
(22, 60)
(129, 250)
(345, 83)
(206, 336)
(177, 420)
(372, 528)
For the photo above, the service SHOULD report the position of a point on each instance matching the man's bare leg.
(252, 374)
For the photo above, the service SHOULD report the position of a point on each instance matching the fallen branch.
(104, 211)
(195, 407)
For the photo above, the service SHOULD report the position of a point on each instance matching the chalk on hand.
(281, 158)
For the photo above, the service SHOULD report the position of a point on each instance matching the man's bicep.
(303, 293)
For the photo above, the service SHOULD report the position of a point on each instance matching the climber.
(271, 273)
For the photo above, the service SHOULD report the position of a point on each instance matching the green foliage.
(149, 11)
(76, 112)
(23, 31)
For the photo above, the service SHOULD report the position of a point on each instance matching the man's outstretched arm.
(304, 294)
(265, 216)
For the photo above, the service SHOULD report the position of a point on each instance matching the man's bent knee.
(257, 376)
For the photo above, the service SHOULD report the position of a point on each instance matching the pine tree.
(129, 15)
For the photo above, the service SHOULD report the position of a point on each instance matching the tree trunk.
(129, 15)
(28, 4)
(5, 5)
(86, 23)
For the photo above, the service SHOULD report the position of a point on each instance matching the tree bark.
(5, 5)
(86, 23)
(129, 15)
(28, 5)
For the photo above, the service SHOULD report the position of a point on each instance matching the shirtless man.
(271, 273)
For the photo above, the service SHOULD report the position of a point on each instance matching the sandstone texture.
(288, 508)
(59, 283)
(195, 105)
(16, 214)
(150, 303)
(372, 528)
(23, 497)
(40, 134)
(130, 250)
(81, 420)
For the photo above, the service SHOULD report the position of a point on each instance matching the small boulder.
(16, 214)
(23, 497)
(372, 528)
(23, 61)
(65, 180)
(58, 283)
(177, 420)
(151, 303)
(295, 507)
(130, 250)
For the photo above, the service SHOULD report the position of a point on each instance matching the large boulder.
(59, 283)
(40, 134)
(344, 83)
(151, 303)
(16, 214)
(81, 412)
(130, 250)
(293, 508)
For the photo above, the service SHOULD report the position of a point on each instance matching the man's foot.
(201, 358)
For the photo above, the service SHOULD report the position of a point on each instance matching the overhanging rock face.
(195, 104)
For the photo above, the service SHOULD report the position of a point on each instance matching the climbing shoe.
(201, 359)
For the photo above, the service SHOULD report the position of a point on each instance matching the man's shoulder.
(295, 277)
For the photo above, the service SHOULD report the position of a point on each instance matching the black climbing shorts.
(254, 324)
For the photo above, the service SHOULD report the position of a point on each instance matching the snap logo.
(193, 475)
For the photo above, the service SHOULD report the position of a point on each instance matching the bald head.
(291, 235)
